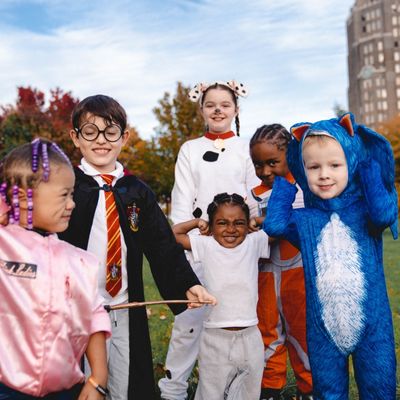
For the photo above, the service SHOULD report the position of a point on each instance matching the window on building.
(381, 57)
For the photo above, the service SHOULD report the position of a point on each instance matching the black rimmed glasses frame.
(90, 132)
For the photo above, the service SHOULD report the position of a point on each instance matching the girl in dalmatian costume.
(219, 161)
(346, 172)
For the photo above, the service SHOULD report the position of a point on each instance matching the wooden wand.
(151, 303)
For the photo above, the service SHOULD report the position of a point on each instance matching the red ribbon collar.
(213, 136)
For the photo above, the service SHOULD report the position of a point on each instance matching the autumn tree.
(22, 122)
(154, 160)
(30, 117)
(59, 113)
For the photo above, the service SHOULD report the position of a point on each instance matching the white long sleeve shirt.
(197, 181)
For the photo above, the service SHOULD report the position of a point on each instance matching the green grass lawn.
(161, 319)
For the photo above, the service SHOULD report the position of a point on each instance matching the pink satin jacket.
(49, 307)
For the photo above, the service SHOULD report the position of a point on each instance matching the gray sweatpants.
(230, 364)
(117, 356)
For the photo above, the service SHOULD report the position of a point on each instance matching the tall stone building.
(373, 35)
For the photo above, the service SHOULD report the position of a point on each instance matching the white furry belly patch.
(340, 284)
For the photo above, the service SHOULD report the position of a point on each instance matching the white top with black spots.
(197, 181)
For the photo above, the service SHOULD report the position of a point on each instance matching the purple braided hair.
(58, 149)
(45, 162)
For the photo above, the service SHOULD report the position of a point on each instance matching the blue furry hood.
(359, 143)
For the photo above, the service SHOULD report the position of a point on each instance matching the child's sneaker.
(270, 394)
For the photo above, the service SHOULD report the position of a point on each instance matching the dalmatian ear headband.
(196, 93)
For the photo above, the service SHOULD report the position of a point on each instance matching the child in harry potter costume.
(106, 197)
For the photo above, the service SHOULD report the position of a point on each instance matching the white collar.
(91, 171)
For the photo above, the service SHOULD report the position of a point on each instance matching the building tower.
(373, 36)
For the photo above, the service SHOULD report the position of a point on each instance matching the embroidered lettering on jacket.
(19, 269)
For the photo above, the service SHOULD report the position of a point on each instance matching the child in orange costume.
(281, 305)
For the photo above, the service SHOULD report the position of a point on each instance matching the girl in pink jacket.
(50, 311)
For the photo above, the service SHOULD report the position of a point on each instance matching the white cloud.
(291, 53)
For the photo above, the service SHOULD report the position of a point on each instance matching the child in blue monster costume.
(346, 172)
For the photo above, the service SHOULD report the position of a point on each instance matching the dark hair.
(234, 98)
(225, 198)
(275, 133)
(101, 106)
(17, 167)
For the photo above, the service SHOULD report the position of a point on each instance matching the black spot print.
(168, 374)
(210, 156)
(197, 213)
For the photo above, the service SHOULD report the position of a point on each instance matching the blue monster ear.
(293, 154)
(298, 130)
(347, 122)
(378, 148)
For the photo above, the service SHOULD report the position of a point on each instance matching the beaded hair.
(275, 133)
(225, 198)
(234, 98)
(24, 168)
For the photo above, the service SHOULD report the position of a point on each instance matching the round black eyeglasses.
(90, 132)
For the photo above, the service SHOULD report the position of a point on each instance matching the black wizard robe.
(146, 231)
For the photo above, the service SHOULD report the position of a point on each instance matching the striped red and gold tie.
(114, 276)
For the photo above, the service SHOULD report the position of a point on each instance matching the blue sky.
(291, 54)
